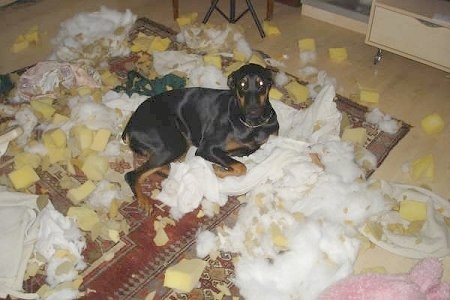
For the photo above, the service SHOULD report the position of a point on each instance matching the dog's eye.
(244, 85)
(260, 84)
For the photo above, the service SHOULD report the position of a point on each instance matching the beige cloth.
(18, 232)
(433, 240)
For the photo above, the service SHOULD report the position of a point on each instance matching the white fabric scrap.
(433, 240)
(207, 76)
(165, 62)
(205, 38)
(107, 29)
(57, 232)
(85, 111)
(18, 212)
(46, 77)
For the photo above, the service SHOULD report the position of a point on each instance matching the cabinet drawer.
(408, 36)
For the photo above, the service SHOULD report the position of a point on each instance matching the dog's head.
(251, 84)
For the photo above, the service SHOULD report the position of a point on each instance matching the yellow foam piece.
(95, 167)
(32, 35)
(23, 41)
(159, 44)
(275, 94)
(423, 168)
(140, 44)
(270, 29)
(337, 54)
(357, 135)
(78, 194)
(23, 177)
(214, 60)
(83, 136)
(369, 96)
(307, 44)
(26, 158)
(100, 140)
(42, 108)
(58, 137)
(184, 276)
(58, 119)
(109, 79)
(56, 154)
(239, 56)
(432, 124)
(186, 19)
(278, 238)
(19, 45)
(256, 59)
(412, 210)
(298, 91)
(233, 67)
(85, 217)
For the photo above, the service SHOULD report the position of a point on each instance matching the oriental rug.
(134, 267)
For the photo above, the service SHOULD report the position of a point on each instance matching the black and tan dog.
(220, 123)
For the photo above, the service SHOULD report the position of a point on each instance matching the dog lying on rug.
(220, 123)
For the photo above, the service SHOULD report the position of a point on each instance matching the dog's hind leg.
(155, 163)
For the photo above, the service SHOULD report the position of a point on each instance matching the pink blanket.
(422, 282)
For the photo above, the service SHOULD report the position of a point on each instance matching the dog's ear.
(268, 77)
(231, 82)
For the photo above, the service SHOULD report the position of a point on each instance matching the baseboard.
(295, 3)
(336, 17)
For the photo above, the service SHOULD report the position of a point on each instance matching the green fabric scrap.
(137, 83)
(6, 85)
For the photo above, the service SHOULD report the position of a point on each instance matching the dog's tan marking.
(235, 169)
(143, 201)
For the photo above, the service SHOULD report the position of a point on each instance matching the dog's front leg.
(224, 165)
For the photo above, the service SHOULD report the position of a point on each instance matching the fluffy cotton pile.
(297, 232)
(94, 37)
(60, 242)
(384, 121)
(207, 38)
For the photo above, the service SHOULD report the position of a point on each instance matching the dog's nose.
(254, 112)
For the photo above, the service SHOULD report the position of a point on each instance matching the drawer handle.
(428, 24)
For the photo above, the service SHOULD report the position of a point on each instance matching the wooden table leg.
(269, 13)
(175, 9)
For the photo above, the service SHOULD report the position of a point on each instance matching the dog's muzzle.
(257, 121)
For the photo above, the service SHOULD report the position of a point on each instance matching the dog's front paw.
(235, 169)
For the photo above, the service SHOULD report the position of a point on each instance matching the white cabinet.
(416, 29)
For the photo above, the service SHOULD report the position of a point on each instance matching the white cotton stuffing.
(57, 232)
(308, 71)
(103, 195)
(322, 244)
(207, 76)
(280, 79)
(206, 243)
(84, 110)
(26, 119)
(107, 28)
(307, 57)
(384, 121)
(64, 294)
(242, 46)
(54, 277)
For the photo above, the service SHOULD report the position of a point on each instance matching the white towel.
(18, 232)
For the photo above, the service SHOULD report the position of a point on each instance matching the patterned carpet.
(134, 267)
